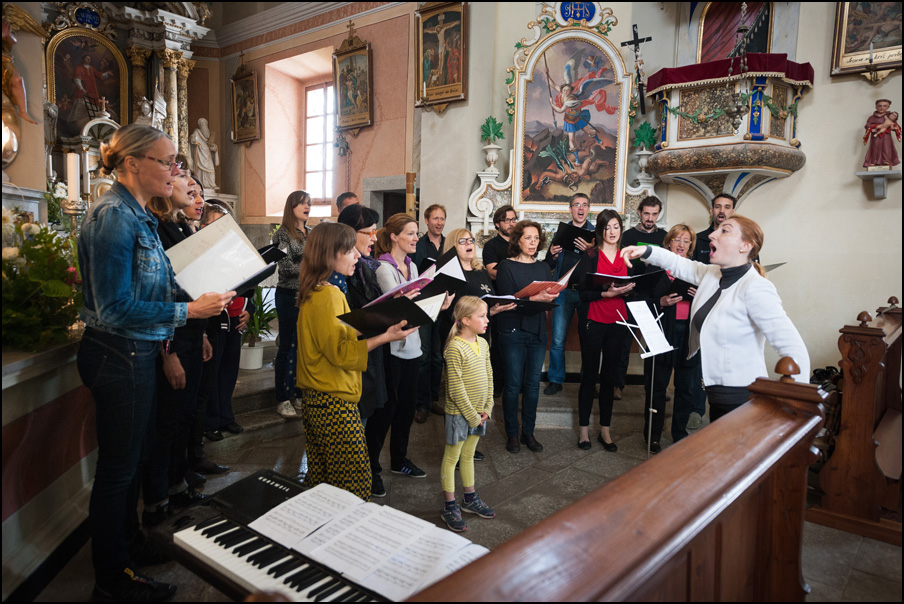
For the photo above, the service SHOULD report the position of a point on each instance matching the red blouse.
(605, 310)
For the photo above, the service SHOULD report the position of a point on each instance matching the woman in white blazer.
(736, 310)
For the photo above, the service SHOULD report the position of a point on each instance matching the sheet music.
(552, 287)
(296, 518)
(649, 327)
(452, 563)
(334, 527)
(432, 305)
(361, 549)
(401, 576)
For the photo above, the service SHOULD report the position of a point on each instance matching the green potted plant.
(491, 131)
(252, 356)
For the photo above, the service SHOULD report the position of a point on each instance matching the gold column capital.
(170, 58)
(185, 67)
(138, 56)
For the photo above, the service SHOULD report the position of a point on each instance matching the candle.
(72, 175)
(425, 90)
(871, 53)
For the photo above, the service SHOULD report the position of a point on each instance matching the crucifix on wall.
(638, 65)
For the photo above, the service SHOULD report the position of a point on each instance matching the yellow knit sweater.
(469, 380)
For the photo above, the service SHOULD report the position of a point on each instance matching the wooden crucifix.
(638, 65)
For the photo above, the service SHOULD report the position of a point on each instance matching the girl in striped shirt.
(469, 401)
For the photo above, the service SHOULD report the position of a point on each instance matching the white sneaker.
(286, 410)
(296, 402)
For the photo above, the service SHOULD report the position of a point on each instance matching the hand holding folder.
(551, 287)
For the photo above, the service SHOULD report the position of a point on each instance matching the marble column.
(185, 67)
(171, 60)
(139, 58)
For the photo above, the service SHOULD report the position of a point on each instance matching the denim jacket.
(129, 288)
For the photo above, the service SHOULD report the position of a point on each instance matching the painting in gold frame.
(83, 67)
(353, 83)
(867, 36)
(246, 119)
(442, 53)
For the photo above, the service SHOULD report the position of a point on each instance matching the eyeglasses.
(510, 220)
(166, 163)
(372, 233)
(682, 241)
(580, 205)
(465, 240)
(531, 239)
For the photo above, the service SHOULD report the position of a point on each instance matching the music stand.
(651, 330)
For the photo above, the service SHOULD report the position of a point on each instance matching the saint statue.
(881, 126)
(204, 155)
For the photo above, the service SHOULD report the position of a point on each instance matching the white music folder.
(218, 258)
(650, 329)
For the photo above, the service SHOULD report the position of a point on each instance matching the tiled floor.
(523, 489)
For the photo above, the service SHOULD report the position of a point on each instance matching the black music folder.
(448, 276)
(376, 319)
(524, 306)
(679, 287)
(566, 235)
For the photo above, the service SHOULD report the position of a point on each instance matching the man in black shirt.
(495, 251)
(723, 209)
(427, 251)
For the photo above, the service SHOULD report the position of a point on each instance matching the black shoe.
(376, 486)
(478, 456)
(209, 467)
(193, 479)
(421, 415)
(186, 498)
(552, 388)
(152, 519)
(232, 427)
(129, 586)
(531, 443)
(611, 447)
(409, 469)
(145, 552)
(437, 408)
(655, 447)
(213, 435)
(512, 445)
(584, 445)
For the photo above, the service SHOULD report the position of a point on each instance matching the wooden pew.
(861, 480)
(718, 516)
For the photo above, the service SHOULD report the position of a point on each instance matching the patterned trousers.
(337, 451)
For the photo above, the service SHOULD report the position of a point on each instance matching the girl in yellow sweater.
(469, 401)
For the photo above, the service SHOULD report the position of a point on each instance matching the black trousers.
(725, 399)
(397, 413)
(606, 339)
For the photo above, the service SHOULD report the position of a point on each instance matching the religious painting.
(246, 121)
(442, 53)
(571, 122)
(867, 37)
(353, 83)
(718, 36)
(87, 74)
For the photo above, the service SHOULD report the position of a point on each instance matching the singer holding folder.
(330, 362)
(129, 310)
(735, 311)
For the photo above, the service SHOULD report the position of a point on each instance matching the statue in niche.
(13, 84)
(880, 127)
(204, 155)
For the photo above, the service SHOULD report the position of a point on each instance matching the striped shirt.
(469, 380)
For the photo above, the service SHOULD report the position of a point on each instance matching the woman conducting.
(129, 311)
(736, 309)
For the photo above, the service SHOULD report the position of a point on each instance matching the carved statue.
(13, 84)
(204, 155)
(880, 127)
(144, 112)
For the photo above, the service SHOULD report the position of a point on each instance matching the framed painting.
(570, 105)
(353, 83)
(246, 120)
(867, 37)
(442, 53)
(85, 73)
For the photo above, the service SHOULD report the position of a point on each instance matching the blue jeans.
(568, 302)
(120, 373)
(284, 363)
(522, 356)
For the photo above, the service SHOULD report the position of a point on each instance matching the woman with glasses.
(360, 289)
(522, 337)
(129, 309)
(289, 237)
(675, 308)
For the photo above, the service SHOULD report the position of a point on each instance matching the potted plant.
(491, 131)
(645, 138)
(252, 356)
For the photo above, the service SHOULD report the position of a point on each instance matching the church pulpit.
(718, 516)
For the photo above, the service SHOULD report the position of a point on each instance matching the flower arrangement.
(41, 285)
(56, 193)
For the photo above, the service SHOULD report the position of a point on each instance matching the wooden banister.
(718, 516)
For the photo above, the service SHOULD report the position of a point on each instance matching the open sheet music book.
(374, 319)
(218, 258)
(445, 272)
(382, 549)
(553, 287)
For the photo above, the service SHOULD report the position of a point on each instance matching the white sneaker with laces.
(286, 410)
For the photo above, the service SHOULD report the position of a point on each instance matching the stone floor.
(523, 489)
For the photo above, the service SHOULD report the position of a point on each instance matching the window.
(320, 123)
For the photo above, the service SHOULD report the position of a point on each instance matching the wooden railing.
(861, 478)
(718, 516)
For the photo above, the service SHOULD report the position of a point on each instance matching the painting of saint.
(442, 42)
(872, 24)
(352, 85)
(570, 125)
